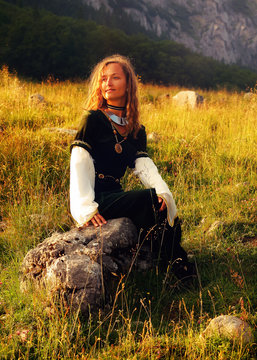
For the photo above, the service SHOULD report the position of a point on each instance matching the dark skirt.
(142, 207)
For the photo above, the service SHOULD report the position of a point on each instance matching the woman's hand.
(97, 220)
(162, 202)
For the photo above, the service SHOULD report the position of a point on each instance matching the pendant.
(118, 148)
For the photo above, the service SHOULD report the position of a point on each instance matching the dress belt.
(103, 176)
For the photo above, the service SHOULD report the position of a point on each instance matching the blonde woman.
(109, 140)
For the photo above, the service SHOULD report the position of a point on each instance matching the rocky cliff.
(223, 29)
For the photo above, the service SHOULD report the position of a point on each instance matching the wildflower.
(237, 279)
(23, 334)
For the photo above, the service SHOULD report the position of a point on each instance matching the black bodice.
(96, 135)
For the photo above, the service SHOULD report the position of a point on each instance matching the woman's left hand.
(162, 202)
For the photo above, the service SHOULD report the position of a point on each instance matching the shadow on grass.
(224, 279)
(240, 232)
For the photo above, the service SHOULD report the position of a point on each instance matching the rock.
(36, 219)
(230, 327)
(153, 137)
(71, 132)
(224, 30)
(250, 96)
(3, 225)
(214, 226)
(37, 99)
(81, 264)
(188, 98)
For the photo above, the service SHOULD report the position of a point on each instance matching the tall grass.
(207, 156)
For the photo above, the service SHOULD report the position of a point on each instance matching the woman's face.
(114, 84)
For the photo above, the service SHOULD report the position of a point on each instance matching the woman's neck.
(120, 113)
(117, 109)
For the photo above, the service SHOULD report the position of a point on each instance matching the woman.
(109, 140)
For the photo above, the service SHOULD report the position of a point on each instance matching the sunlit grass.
(207, 156)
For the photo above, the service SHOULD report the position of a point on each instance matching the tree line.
(37, 43)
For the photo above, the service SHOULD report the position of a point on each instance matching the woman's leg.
(142, 207)
(169, 240)
(138, 205)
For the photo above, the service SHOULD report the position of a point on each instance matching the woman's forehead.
(112, 68)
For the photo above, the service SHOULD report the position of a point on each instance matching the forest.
(37, 43)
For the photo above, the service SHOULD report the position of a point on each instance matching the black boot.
(184, 270)
(173, 254)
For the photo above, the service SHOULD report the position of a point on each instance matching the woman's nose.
(109, 81)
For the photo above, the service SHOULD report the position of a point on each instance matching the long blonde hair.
(96, 100)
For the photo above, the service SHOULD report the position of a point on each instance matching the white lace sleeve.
(82, 183)
(148, 173)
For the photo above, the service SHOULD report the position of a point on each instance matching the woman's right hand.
(97, 220)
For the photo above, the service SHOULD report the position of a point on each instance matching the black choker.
(113, 107)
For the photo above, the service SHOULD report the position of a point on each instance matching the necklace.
(113, 107)
(117, 146)
(118, 119)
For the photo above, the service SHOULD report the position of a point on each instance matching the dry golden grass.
(208, 157)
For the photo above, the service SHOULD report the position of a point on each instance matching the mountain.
(36, 41)
(223, 29)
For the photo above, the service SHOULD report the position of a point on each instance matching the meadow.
(207, 156)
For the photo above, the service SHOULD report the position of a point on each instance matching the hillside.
(37, 43)
(224, 30)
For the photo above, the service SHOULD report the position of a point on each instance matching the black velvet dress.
(141, 206)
